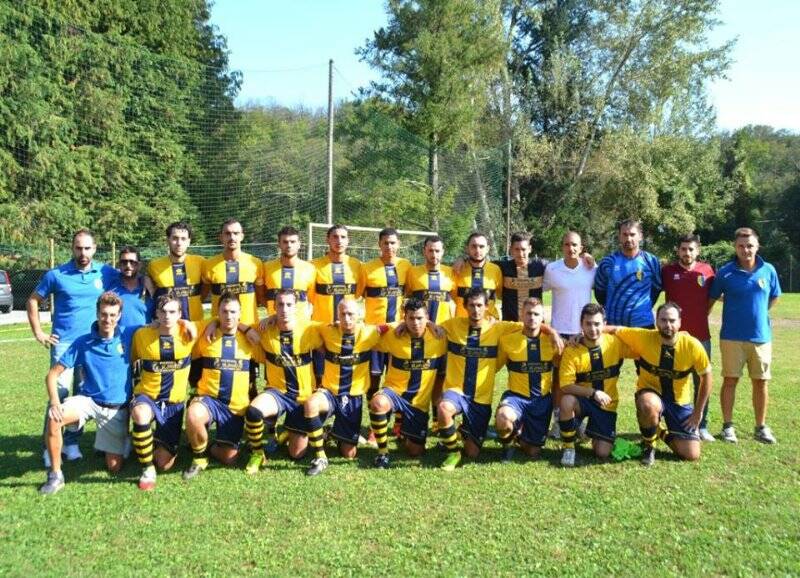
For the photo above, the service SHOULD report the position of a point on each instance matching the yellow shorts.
(735, 354)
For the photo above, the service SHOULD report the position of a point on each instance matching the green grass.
(733, 513)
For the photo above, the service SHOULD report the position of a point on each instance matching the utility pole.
(329, 187)
(508, 196)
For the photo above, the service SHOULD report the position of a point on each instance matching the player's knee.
(602, 450)
(568, 402)
(445, 409)
(414, 450)
(379, 404)
(226, 455)
(471, 449)
(532, 451)
(113, 463)
(689, 452)
(140, 414)
(164, 459)
(348, 451)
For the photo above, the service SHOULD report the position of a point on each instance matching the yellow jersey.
(383, 289)
(489, 278)
(183, 279)
(301, 278)
(347, 358)
(164, 362)
(530, 362)
(663, 368)
(435, 288)
(413, 364)
(596, 367)
(226, 368)
(288, 358)
(239, 277)
(472, 356)
(334, 282)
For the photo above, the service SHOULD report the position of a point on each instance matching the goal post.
(364, 242)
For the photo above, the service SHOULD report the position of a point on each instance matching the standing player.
(137, 306)
(348, 351)
(416, 364)
(287, 345)
(179, 272)
(524, 410)
(751, 287)
(667, 357)
(103, 356)
(628, 281)
(432, 283)
(383, 281)
(469, 381)
(222, 392)
(75, 286)
(479, 274)
(686, 283)
(338, 277)
(290, 272)
(588, 375)
(522, 276)
(164, 355)
(234, 272)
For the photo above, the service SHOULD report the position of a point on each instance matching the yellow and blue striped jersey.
(334, 282)
(435, 288)
(530, 362)
(301, 278)
(164, 364)
(288, 358)
(183, 279)
(383, 288)
(413, 364)
(489, 278)
(596, 367)
(347, 358)
(663, 368)
(240, 277)
(226, 363)
(472, 356)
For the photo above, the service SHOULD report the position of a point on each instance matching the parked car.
(6, 296)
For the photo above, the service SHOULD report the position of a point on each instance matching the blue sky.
(283, 48)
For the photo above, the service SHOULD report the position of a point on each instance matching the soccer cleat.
(729, 435)
(195, 469)
(382, 461)
(568, 458)
(764, 435)
(451, 462)
(555, 431)
(254, 464)
(508, 454)
(147, 481)
(271, 446)
(648, 456)
(71, 453)
(705, 435)
(54, 483)
(318, 465)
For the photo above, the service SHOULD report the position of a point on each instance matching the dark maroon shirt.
(689, 289)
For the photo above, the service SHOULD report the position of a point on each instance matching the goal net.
(364, 242)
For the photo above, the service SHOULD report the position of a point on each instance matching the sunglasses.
(128, 262)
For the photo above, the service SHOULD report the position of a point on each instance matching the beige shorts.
(112, 423)
(735, 354)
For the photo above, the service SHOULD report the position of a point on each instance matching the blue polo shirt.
(628, 288)
(745, 310)
(137, 306)
(105, 364)
(75, 294)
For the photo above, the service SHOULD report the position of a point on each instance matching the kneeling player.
(525, 408)
(165, 356)
(222, 392)
(416, 361)
(287, 346)
(345, 379)
(667, 359)
(588, 374)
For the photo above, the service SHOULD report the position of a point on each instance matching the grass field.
(733, 513)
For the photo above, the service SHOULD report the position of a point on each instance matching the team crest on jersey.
(676, 276)
(534, 346)
(98, 284)
(639, 274)
(179, 271)
(762, 283)
(231, 269)
(345, 400)
(287, 274)
(595, 355)
(668, 354)
(166, 345)
(228, 343)
(701, 280)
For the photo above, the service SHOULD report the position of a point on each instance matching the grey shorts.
(112, 423)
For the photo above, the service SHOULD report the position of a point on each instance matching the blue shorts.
(533, 416)
(674, 415)
(346, 412)
(415, 421)
(295, 421)
(229, 426)
(602, 424)
(377, 364)
(168, 418)
(474, 416)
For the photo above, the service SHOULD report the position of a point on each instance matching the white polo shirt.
(572, 289)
